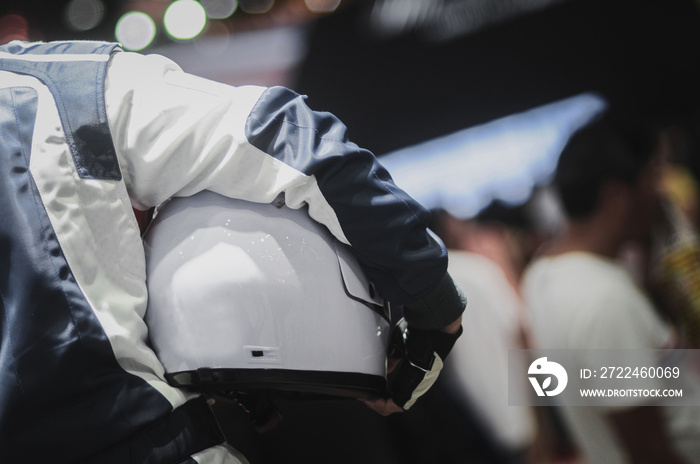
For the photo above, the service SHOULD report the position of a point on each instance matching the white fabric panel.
(161, 116)
(99, 236)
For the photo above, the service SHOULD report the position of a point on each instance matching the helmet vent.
(264, 354)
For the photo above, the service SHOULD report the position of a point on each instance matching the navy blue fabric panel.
(172, 439)
(62, 393)
(386, 227)
(78, 88)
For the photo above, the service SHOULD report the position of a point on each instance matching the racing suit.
(90, 132)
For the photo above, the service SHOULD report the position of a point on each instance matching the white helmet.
(246, 296)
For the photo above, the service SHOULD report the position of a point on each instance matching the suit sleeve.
(177, 134)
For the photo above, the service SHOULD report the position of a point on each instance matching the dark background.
(401, 90)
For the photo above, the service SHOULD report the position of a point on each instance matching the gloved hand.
(421, 354)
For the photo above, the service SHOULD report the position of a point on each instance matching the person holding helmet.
(90, 132)
(253, 302)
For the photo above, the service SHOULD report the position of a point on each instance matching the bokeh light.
(322, 6)
(83, 15)
(256, 6)
(185, 19)
(135, 30)
(219, 9)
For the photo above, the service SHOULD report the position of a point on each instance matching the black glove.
(421, 354)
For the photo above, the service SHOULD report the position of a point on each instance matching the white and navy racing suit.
(90, 132)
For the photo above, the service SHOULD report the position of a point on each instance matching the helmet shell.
(248, 295)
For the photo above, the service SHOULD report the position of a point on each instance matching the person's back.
(582, 299)
(492, 331)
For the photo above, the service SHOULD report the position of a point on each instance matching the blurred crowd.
(618, 269)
